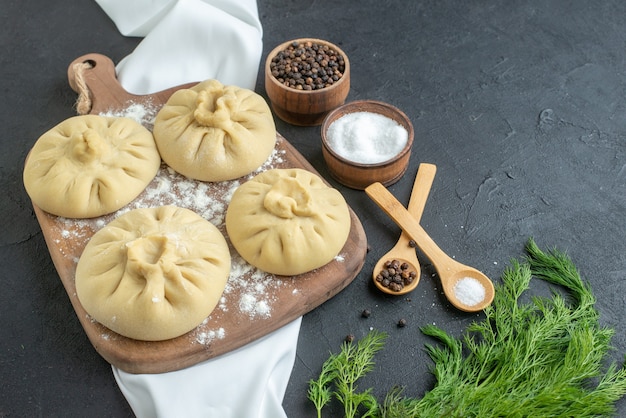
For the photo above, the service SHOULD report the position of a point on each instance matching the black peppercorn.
(402, 323)
(395, 275)
(298, 58)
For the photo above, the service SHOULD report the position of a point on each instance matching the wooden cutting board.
(233, 323)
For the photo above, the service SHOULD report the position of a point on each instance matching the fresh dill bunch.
(544, 358)
(340, 373)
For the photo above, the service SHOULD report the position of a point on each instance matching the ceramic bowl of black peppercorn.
(305, 79)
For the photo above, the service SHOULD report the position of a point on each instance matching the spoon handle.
(421, 189)
(392, 207)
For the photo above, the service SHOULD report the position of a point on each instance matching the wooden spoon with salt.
(402, 251)
(453, 275)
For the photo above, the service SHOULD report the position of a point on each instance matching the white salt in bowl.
(366, 141)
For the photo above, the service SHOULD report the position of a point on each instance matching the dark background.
(521, 105)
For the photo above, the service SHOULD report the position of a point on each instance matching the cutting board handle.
(94, 78)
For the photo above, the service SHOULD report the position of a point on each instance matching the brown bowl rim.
(279, 47)
(331, 118)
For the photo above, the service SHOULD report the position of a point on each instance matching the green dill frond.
(540, 358)
(544, 357)
(340, 373)
(319, 390)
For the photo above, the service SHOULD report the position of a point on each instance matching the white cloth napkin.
(245, 383)
(187, 41)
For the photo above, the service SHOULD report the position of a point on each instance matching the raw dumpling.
(287, 221)
(213, 132)
(153, 273)
(90, 165)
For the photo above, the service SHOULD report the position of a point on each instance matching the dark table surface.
(521, 105)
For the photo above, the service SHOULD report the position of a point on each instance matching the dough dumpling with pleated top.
(153, 273)
(212, 132)
(90, 165)
(287, 221)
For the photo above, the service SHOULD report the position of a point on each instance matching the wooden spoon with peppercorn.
(401, 261)
(467, 288)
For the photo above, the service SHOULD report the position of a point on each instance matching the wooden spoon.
(450, 271)
(402, 251)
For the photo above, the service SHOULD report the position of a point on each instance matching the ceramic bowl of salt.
(366, 141)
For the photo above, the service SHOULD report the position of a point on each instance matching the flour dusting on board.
(248, 290)
(143, 113)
